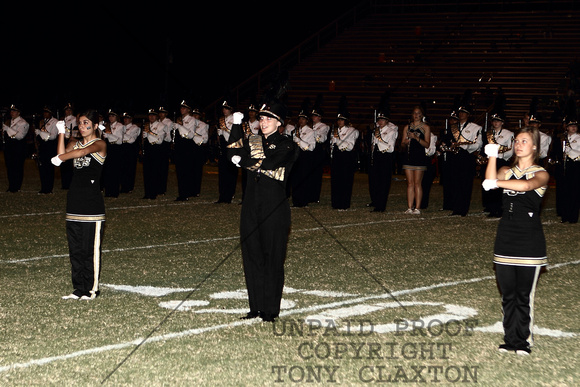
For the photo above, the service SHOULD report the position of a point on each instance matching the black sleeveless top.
(85, 201)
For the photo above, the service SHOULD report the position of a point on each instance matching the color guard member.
(14, 134)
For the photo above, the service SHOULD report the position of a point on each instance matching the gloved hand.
(236, 160)
(488, 184)
(56, 160)
(238, 117)
(61, 127)
(102, 127)
(491, 150)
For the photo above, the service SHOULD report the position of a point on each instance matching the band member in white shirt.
(129, 153)
(383, 139)
(301, 176)
(46, 140)
(14, 133)
(343, 161)
(113, 135)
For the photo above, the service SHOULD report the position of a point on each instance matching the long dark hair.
(93, 115)
(535, 134)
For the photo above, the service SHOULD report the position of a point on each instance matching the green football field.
(370, 298)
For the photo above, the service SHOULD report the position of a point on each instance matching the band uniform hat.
(465, 109)
(14, 107)
(253, 108)
(227, 105)
(68, 106)
(303, 114)
(186, 104)
(453, 115)
(497, 117)
(47, 109)
(152, 111)
(162, 110)
(382, 114)
(127, 115)
(316, 112)
(343, 116)
(571, 119)
(535, 117)
(112, 113)
(275, 110)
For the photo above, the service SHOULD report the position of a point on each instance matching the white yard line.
(237, 323)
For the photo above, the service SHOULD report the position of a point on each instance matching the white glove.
(56, 160)
(61, 127)
(236, 159)
(488, 184)
(238, 117)
(102, 127)
(491, 150)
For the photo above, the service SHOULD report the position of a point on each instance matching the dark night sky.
(114, 56)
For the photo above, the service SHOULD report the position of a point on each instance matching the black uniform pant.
(460, 179)
(302, 178)
(227, 177)
(199, 160)
(380, 175)
(129, 156)
(320, 161)
(184, 164)
(427, 181)
(84, 244)
(264, 228)
(46, 151)
(112, 170)
(517, 285)
(570, 195)
(14, 156)
(343, 167)
(153, 164)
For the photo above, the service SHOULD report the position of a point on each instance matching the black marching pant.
(112, 170)
(46, 151)
(129, 156)
(517, 285)
(264, 229)
(227, 176)
(380, 175)
(84, 244)
(570, 195)
(460, 180)
(343, 167)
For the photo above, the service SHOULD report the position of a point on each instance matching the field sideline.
(356, 284)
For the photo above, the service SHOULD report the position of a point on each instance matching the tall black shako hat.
(305, 109)
(571, 112)
(272, 104)
(498, 108)
(384, 110)
(466, 102)
(534, 115)
(343, 113)
(317, 108)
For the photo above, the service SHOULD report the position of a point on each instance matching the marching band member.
(301, 177)
(416, 138)
(14, 138)
(266, 216)
(467, 141)
(85, 207)
(166, 147)
(46, 142)
(113, 135)
(343, 160)
(383, 141)
(154, 156)
(491, 200)
(227, 172)
(129, 153)
(520, 244)
(321, 131)
(200, 154)
(570, 201)
(186, 126)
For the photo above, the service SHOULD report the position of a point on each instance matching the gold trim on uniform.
(256, 147)
(520, 261)
(236, 145)
(223, 125)
(528, 173)
(79, 145)
(85, 218)
(276, 174)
